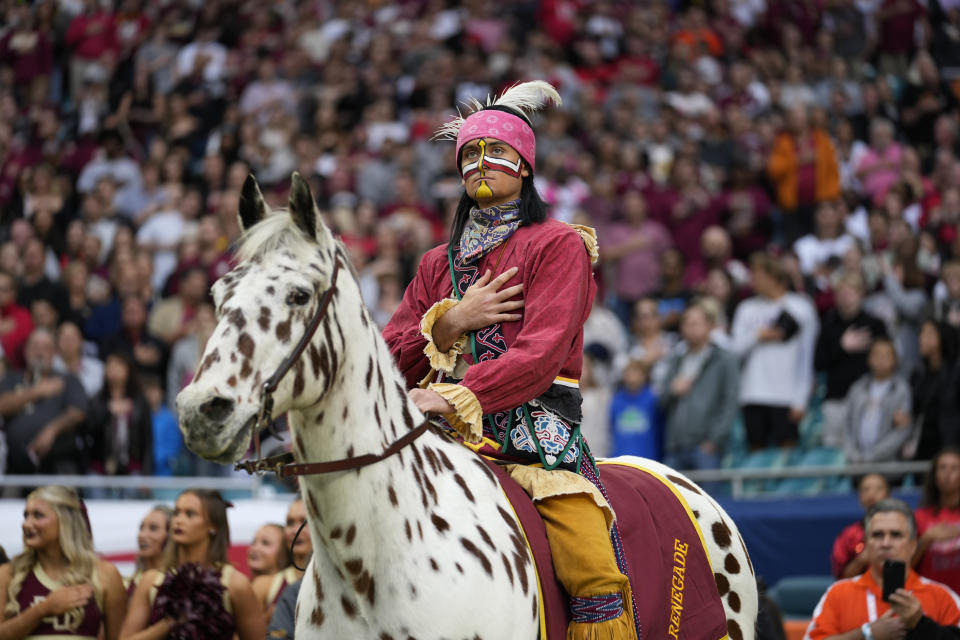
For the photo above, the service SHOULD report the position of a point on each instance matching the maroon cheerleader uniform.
(280, 582)
(36, 587)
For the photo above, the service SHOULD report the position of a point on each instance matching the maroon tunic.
(558, 290)
(36, 587)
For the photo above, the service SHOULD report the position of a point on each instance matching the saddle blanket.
(673, 585)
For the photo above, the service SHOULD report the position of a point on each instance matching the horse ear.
(252, 207)
(302, 207)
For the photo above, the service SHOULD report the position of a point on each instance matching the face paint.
(486, 162)
(483, 191)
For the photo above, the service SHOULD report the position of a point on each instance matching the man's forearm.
(66, 421)
(853, 634)
(446, 331)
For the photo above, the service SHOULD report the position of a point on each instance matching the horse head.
(287, 261)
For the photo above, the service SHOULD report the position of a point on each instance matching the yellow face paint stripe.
(483, 152)
(483, 191)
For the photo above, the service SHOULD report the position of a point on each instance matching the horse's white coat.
(421, 545)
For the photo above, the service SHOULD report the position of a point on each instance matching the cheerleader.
(267, 555)
(269, 588)
(151, 539)
(198, 595)
(58, 587)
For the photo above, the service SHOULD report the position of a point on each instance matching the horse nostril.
(217, 409)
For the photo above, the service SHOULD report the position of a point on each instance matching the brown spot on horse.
(473, 550)
(683, 482)
(283, 331)
(730, 564)
(463, 487)
(438, 522)
(721, 534)
(245, 345)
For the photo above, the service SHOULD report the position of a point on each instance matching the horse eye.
(298, 297)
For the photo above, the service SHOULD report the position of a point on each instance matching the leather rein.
(283, 465)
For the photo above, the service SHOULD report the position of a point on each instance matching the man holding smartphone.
(888, 601)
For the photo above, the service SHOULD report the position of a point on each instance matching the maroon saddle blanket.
(674, 589)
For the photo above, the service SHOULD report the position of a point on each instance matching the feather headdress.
(525, 97)
(506, 117)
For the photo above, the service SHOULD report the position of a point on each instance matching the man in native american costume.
(490, 337)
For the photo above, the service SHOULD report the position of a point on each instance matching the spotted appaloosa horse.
(418, 545)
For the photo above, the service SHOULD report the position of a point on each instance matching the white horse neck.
(366, 410)
(390, 539)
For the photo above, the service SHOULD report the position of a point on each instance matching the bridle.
(282, 465)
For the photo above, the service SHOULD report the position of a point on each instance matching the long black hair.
(532, 209)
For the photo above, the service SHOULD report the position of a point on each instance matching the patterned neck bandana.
(488, 228)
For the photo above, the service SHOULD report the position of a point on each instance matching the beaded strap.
(594, 609)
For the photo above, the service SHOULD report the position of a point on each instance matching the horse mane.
(277, 230)
(270, 234)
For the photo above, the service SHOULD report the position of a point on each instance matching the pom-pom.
(193, 597)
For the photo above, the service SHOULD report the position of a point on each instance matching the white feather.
(525, 97)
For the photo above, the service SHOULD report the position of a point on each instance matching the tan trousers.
(584, 561)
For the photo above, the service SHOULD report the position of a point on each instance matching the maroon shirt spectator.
(687, 209)
(559, 19)
(636, 66)
(805, 15)
(408, 208)
(896, 24)
(15, 157)
(93, 33)
(635, 247)
(745, 211)
(15, 322)
(26, 49)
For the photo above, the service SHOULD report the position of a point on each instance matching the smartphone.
(894, 575)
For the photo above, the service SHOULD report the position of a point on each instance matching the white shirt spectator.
(260, 94)
(791, 94)
(691, 105)
(317, 42)
(125, 172)
(90, 374)
(848, 166)
(162, 232)
(776, 374)
(746, 11)
(215, 68)
(814, 252)
(604, 328)
(106, 230)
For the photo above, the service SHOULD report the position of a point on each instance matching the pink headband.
(490, 123)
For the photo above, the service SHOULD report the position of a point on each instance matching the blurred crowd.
(776, 188)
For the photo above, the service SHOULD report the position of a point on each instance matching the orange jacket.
(847, 604)
(782, 168)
